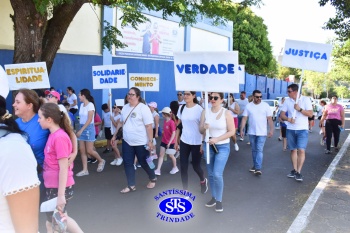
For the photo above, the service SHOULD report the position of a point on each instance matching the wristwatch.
(300, 110)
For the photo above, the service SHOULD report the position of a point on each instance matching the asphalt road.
(268, 203)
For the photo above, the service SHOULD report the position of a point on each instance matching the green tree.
(339, 23)
(314, 82)
(284, 72)
(40, 25)
(250, 39)
(341, 60)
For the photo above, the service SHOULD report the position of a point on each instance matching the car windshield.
(270, 103)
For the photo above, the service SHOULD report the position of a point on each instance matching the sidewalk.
(328, 207)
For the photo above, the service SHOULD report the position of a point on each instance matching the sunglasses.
(290, 91)
(50, 96)
(131, 94)
(258, 97)
(114, 107)
(213, 97)
(179, 94)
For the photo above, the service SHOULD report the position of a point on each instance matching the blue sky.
(296, 20)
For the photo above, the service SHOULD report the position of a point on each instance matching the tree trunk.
(36, 38)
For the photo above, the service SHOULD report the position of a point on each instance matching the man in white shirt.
(180, 98)
(257, 112)
(297, 128)
(242, 102)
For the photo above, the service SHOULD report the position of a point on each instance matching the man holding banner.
(297, 128)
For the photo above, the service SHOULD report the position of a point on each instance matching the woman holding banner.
(221, 128)
(191, 139)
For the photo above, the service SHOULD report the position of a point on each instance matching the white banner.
(109, 76)
(27, 75)
(207, 71)
(4, 83)
(145, 82)
(241, 73)
(307, 55)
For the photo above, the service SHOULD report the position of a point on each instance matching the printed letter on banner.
(206, 71)
(109, 76)
(27, 75)
(307, 55)
(145, 82)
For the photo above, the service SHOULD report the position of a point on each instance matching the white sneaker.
(82, 173)
(174, 170)
(114, 162)
(236, 147)
(119, 161)
(241, 139)
(157, 172)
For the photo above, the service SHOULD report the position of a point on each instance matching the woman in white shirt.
(72, 100)
(86, 133)
(191, 139)
(221, 128)
(137, 123)
(234, 110)
(19, 183)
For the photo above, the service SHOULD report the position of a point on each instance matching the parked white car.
(273, 106)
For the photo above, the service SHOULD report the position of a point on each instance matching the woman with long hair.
(221, 128)
(137, 123)
(19, 183)
(72, 100)
(335, 120)
(191, 139)
(58, 174)
(86, 133)
(234, 110)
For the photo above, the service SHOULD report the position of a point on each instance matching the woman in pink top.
(335, 119)
(58, 175)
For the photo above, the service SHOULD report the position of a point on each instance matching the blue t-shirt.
(72, 119)
(37, 137)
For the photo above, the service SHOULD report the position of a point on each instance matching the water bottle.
(341, 128)
(150, 162)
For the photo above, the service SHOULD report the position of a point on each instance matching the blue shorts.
(88, 134)
(297, 139)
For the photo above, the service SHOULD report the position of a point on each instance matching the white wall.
(202, 40)
(83, 35)
(6, 26)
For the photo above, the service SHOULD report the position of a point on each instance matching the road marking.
(302, 219)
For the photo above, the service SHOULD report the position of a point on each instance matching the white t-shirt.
(190, 118)
(17, 174)
(301, 121)
(217, 127)
(233, 105)
(116, 118)
(134, 130)
(84, 111)
(70, 100)
(154, 114)
(63, 109)
(106, 116)
(257, 118)
(181, 102)
(242, 104)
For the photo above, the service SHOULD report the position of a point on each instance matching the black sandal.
(128, 189)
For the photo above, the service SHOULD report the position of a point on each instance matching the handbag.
(120, 130)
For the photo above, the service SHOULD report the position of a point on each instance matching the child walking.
(115, 118)
(58, 174)
(168, 142)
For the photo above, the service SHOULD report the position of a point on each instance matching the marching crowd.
(41, 168)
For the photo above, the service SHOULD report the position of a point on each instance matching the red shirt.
(168, 128)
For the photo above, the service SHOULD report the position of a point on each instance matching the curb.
(302, 219)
